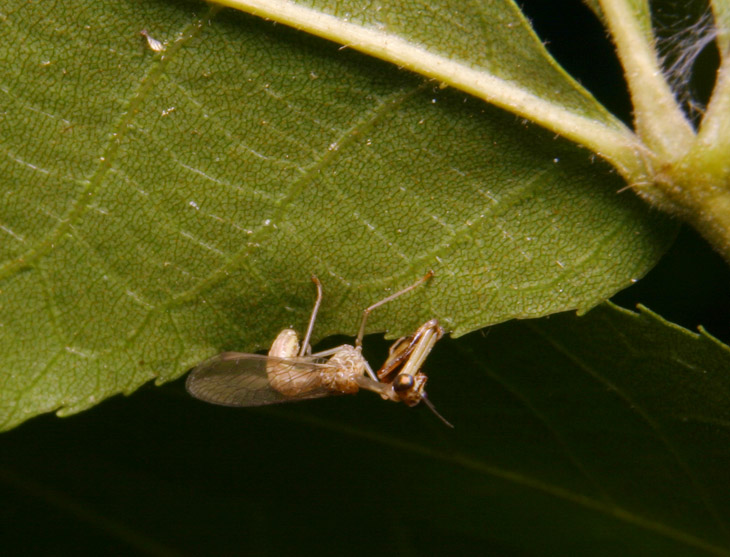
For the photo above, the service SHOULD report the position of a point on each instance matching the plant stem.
(659, 120)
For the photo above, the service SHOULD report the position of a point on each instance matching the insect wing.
(239, 379)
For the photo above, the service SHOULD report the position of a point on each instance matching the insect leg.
(315, 309)
(361, 332)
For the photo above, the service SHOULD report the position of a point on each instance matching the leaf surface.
(162, 206)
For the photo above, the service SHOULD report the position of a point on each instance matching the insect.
(152, 43)
(291, 372)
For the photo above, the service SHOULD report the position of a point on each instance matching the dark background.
(160, 473)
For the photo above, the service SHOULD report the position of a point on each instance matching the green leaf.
(612, 426)
(605, 434)
(161, 206)
(487, 50)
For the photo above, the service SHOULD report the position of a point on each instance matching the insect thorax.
(347, 365)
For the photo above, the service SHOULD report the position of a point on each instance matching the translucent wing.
(238, 379)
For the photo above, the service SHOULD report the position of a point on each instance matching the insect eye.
(403, 383)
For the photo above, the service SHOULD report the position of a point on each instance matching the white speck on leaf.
(152, 43)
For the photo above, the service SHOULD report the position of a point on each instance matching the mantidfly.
(291, 372)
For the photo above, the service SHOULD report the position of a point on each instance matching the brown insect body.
(291, 372)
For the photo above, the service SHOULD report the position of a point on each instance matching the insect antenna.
(431, 407)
